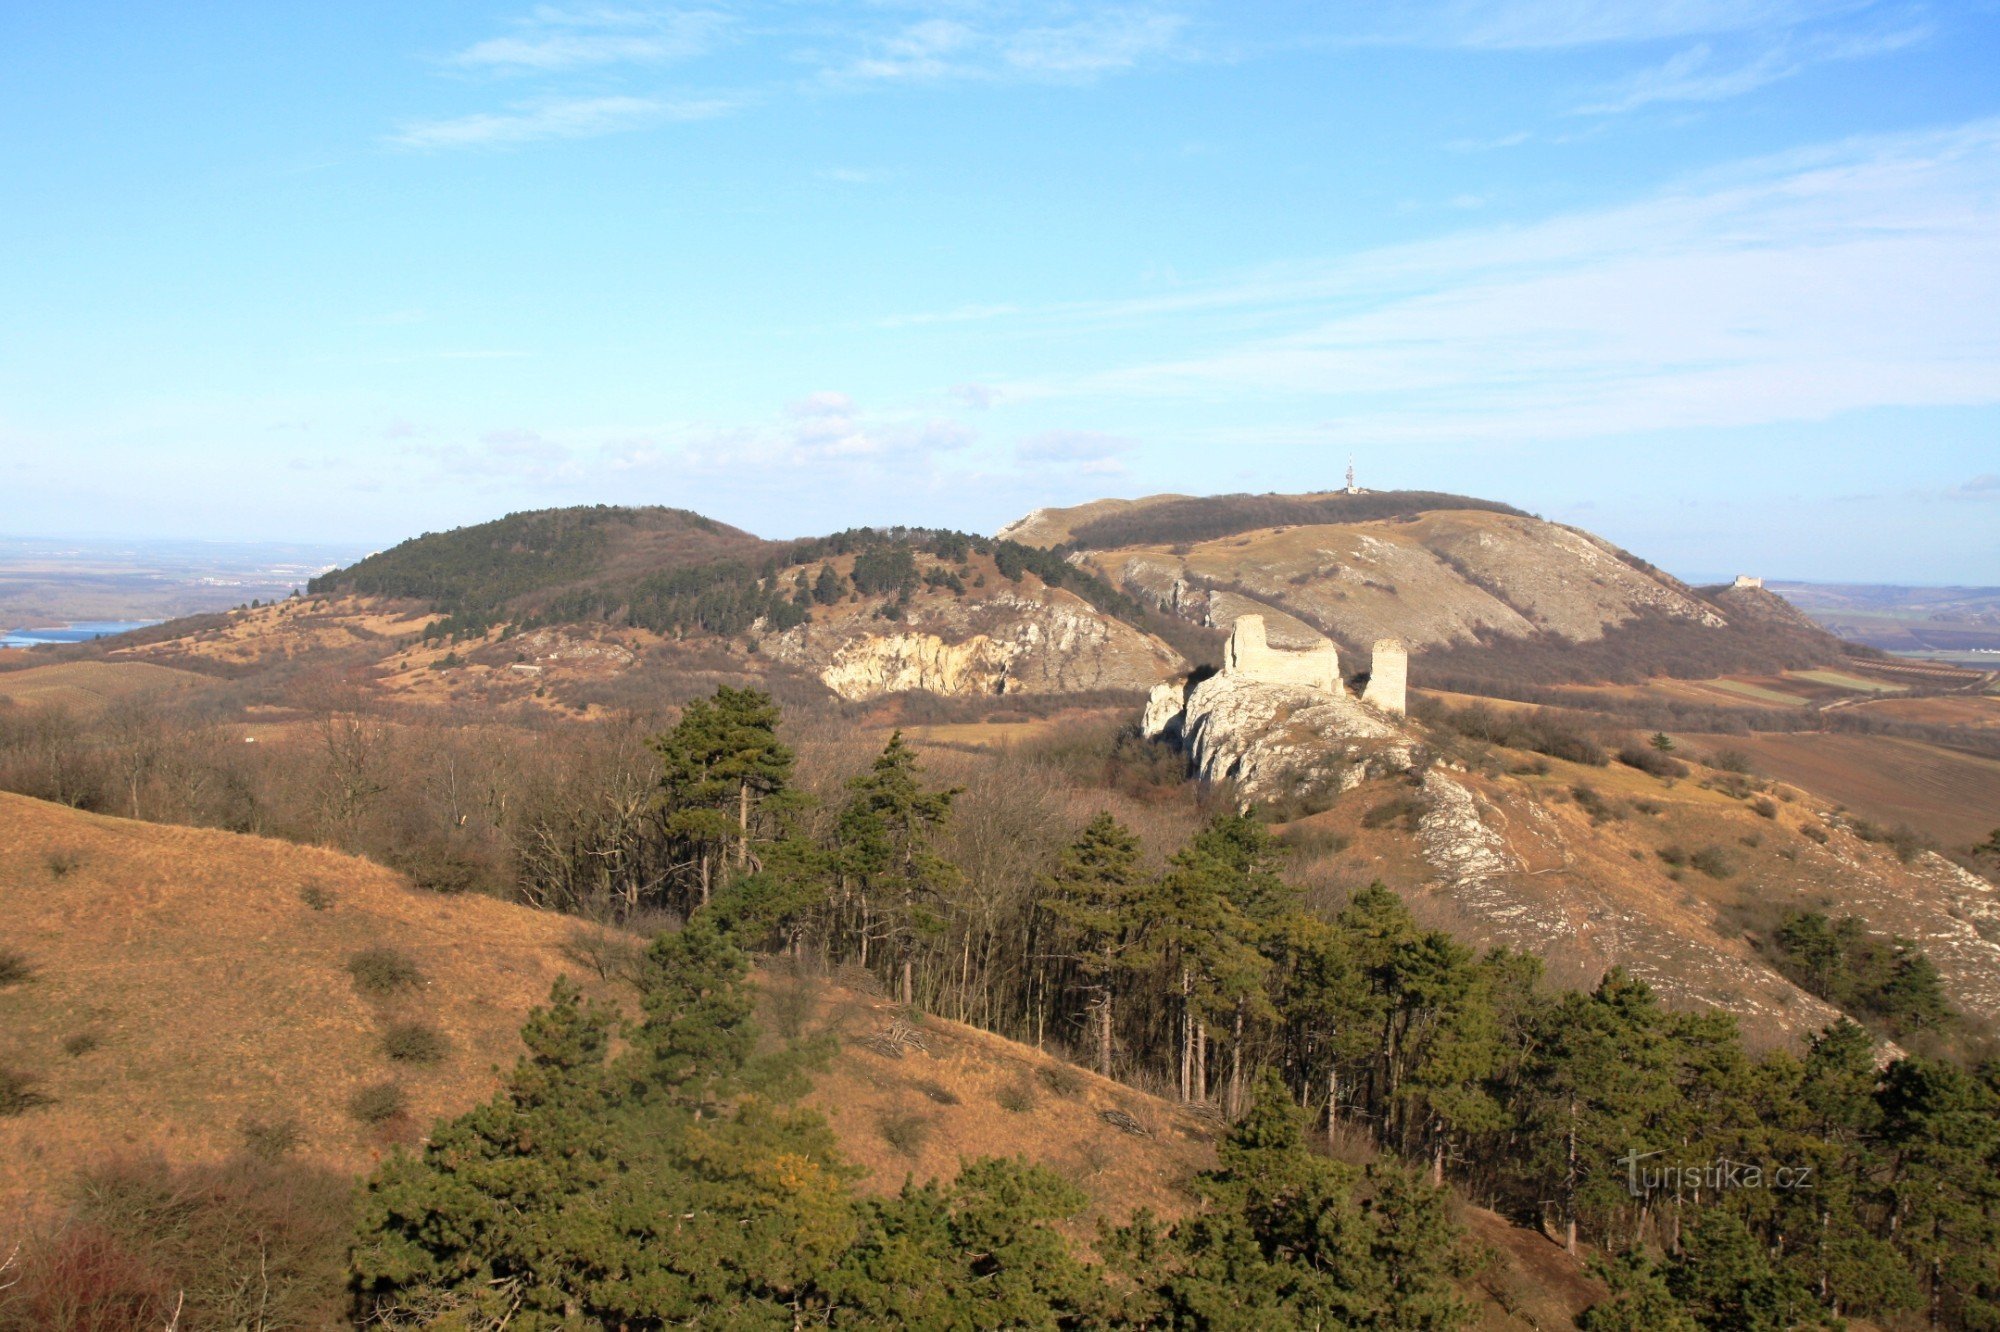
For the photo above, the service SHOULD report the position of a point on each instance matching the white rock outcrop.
(1025, 642)
(1274, 720)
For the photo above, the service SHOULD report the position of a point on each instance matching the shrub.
(415, 1043)
(938, 1093)
(1595, 805)
(81, 1044)
(272, 1139)
(1814, 833)
(1017, 1097)
(1406, 809)
(378, 1103)
(238, 1245)
(62, 861)
(317, 896)
(1731, 760)
(1674, 854)
(1713, 861)
(905, 1132)
(1652, 761)
(19, 1092)
(1765, 807)
(1061, 1079)
(383, 970)
(14, 968)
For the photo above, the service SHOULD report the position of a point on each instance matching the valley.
(494, 757)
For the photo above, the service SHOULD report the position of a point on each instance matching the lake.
(80, 632)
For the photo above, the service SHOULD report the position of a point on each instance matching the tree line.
(1209, 977)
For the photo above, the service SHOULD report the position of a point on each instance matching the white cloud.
(940, 49)
(1698, 75)
(554, 118)
(557, 39)
(1089, 451)
(1863, 274)
(1558, 24)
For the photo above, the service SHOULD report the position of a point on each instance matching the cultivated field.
(91, 685)
(1951, 796)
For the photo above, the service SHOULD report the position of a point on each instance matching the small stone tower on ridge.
(1388, 677)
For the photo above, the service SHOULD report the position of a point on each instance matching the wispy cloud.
(1089, 452)
(553, 39)
(964, 48)
(1699, 74)
(1862, 274)
(555, 118)
(1559, 24)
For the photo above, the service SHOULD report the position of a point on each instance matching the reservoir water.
(80, 632)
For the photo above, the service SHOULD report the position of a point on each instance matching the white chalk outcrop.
(1273, 720)
(1041, 641)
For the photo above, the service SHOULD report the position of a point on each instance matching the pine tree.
(718, 766)
(886, 836)
(1093, 894)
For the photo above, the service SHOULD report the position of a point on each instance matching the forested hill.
(674, 571)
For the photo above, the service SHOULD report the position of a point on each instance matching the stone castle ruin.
(1250, 657)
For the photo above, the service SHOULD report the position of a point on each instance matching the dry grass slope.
(217, 994)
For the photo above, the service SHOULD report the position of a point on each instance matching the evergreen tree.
(718, 766)
(1292, 1239)
(1094, 894)
(886, 837)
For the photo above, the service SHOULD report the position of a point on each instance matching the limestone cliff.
(1030, 639)
(1274, 720)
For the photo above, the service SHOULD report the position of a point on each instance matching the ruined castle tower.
(1250, 655)
(1388, 676)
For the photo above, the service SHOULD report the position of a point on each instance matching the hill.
(1478, 590)
(189, 993)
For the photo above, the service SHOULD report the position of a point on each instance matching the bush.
(317, 896)
(1674, 854)
(61, 862)
(1731, 760)
(1652, 761)
(906, 1133)
(415, 1043)
(14, 968)
(377, 1104)
(1713, 861)
(1406, 809)
(1765, 807)
(81, 1044)
(384, 971)
(19, 1092)
(272, 1139)
(1062, 1080)
(239, 1245)
(1814, 833)
(1017, 1097)
(938, 1093)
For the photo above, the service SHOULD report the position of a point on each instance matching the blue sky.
(1717, 278)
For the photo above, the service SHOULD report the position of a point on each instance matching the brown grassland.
(207, 975)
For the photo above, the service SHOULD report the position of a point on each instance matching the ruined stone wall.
(1251, 657)
(1388, 677)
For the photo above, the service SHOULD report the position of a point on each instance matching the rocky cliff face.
(1271, 739)
(1025, 639)
(1276, 720)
